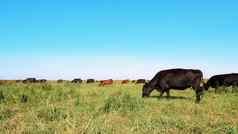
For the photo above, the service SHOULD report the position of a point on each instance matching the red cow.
(125, 82)
(106, 82)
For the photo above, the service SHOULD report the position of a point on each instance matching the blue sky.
(116, 38)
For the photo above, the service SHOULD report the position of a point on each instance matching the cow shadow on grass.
(171, 98)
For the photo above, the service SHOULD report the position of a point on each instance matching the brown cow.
(125, 82)
(106, 82)
(140, 81)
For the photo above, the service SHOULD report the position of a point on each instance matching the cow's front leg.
(168, 93)
(199, 93)
(161, 93)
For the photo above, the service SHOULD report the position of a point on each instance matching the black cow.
(179, 79)
(77, 81)
(140, 81)
(30, 80)
(222, 80)
(90, 81)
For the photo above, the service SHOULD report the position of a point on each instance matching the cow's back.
(223, 79)
(231, 78)
(106, 82)
(179, 74)
(178, 78)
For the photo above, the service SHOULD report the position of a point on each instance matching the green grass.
(89, 109)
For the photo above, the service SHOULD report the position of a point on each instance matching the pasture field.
(67, 108)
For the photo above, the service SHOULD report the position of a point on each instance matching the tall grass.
(86, 108)
(122, 103)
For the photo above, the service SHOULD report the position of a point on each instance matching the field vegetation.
(65, 108)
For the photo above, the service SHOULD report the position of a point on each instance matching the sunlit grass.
(87, 108)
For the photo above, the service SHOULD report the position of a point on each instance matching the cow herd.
(164, 81)
(80, 81)
(34, 80)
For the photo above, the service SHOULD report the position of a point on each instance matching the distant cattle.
(77, 81)
(30, 80)
(18, 81)
(222, 80)
(179, 79)
(60, 81)
(90, 81)
(7, 82)
(125, 81)
(42, 81)
(106, 82)
(140, 81)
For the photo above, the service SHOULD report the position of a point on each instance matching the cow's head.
(205, 86)
(146, 90)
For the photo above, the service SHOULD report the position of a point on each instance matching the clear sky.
(116, 39)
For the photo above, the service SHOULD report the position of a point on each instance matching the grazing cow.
(90, 81)
(179, 79)
(60, 81)
(140, 81)
(125, 82)
(77, 81)
(106, 82)
(30, 80)
(222, 80)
